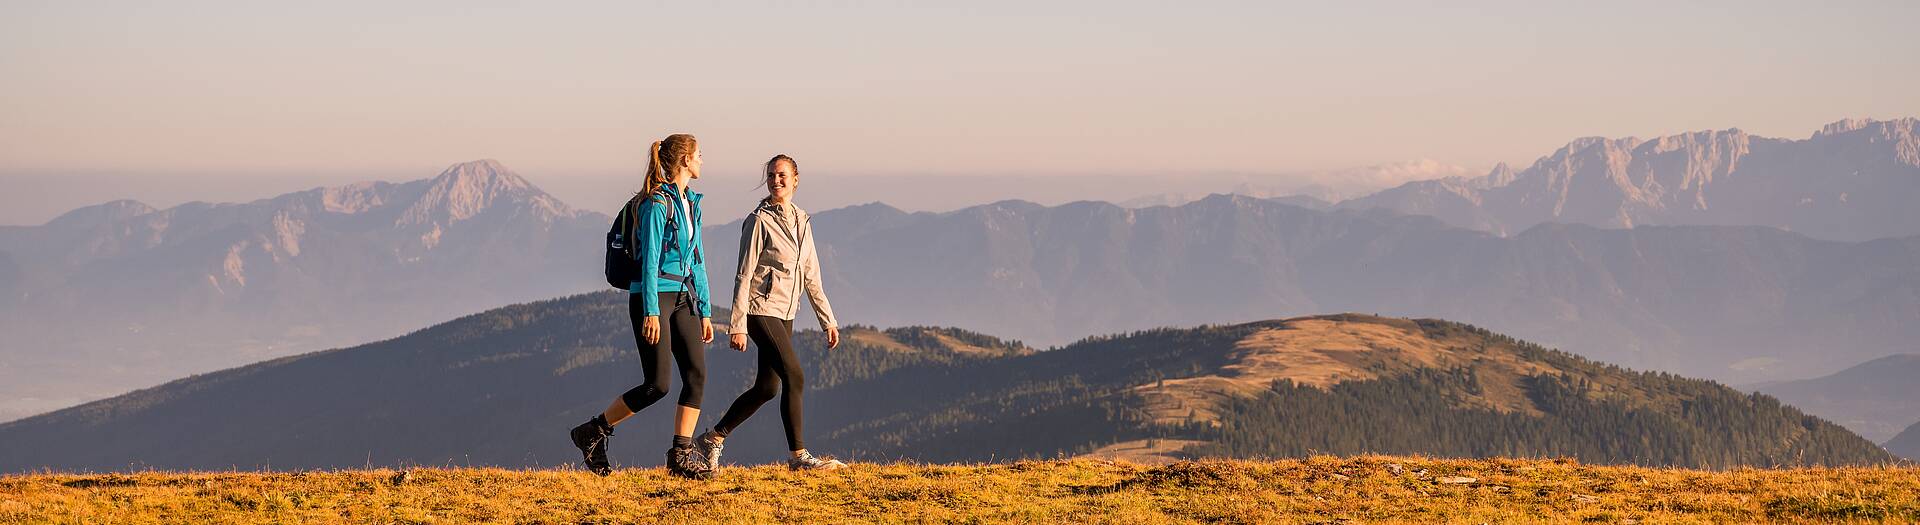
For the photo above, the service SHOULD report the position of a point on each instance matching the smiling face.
(781, 181)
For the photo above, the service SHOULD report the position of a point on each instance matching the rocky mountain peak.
(1900, 133)
(1733, 137)
(1851, 180)
(1842, 126)
(466, 189)
(101, 214)
(354, 198)
(481, 175)
(1500, 175)
(1897, 129)
(1585, 144)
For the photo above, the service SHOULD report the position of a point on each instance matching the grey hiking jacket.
(777, 263)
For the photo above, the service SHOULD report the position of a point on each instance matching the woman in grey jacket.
(778, 263)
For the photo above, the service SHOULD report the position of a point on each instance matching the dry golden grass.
(1324, 489)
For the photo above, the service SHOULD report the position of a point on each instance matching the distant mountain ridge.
(1875, 399)
(1907, 443)
(501, 388)
(122, 294)
(1852, 181)
(1730, 303)
(1316, 189)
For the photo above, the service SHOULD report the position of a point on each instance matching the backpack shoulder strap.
(672, 241)
(662, 198)
(631, 215)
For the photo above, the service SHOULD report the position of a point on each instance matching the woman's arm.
(651, 234)
(743, 276)
(699, 269)
(815, 292)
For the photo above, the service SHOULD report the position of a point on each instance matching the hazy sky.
(187, 94)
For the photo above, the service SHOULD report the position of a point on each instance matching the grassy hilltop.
(1315, 490)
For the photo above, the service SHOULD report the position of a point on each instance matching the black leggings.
(680, 334)
(779, 374)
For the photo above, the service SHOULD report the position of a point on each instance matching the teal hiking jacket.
(664, 262)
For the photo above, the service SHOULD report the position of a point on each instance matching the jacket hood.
(771, 208)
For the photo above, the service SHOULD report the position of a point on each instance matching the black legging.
(680, 334)
(779, 374)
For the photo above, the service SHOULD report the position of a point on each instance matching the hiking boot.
(806, 461)
(708, 444)
(591, 437)
(687, 463)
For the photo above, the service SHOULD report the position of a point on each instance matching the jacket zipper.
(800, 258)
(800, 254)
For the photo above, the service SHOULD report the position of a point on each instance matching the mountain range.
(1737, 304)
(1853, 180)
(501, 388)
(119, 295)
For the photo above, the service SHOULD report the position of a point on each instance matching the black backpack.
(623, 267)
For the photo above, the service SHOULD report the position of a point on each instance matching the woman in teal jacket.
(673, 284)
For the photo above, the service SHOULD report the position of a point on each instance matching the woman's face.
(693, 163)
(781, 180)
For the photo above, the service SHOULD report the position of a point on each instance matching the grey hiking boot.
(591, 438)
(708, 444)
(687, 463)
(806, 461)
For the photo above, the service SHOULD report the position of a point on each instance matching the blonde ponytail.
(653, 160)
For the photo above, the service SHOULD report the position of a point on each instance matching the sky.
(232, 100)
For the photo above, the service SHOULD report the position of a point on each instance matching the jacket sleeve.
(699, 267)
(815, 292)
(743, 276)
(651, 234)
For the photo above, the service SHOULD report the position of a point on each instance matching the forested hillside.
(501, 388)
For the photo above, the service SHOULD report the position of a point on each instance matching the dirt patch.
(102, 481)
(1144, 451)
(962, 348)
(878, 340)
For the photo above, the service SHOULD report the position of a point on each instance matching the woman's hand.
(738, 342)
(650, 329)
(833, 337)
(706, 330)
